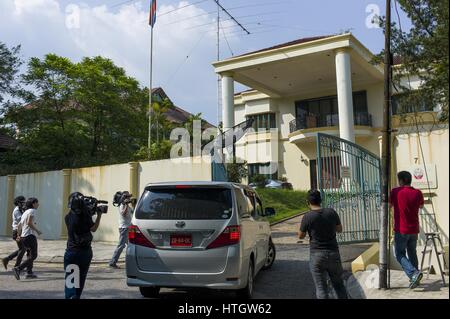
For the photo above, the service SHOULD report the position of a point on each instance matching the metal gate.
(349, 180)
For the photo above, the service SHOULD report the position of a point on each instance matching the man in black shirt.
(78, 256)
(322, 224)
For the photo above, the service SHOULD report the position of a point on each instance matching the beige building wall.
(435, 148)
(102, 182)
(188, 169)
(3, 206)
(293, 158)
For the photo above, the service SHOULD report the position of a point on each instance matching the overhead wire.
(241, 17)
(169, 79)
(226, 39)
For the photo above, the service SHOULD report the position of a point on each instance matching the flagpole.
(150, 97)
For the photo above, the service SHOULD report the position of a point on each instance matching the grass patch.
(286, 202)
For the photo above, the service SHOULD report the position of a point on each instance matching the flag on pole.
(152, 16)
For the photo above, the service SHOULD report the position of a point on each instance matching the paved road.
(288, 278)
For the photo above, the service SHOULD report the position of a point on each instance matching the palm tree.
(158, 114)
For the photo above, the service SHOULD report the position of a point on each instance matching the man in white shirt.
(125, 216)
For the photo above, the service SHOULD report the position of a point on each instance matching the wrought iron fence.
(349, 180)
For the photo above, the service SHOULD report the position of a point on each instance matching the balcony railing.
(326, 120)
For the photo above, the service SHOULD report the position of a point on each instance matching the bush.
(236, 171)
(259, 180)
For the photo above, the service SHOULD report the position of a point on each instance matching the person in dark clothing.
(19, 209)
(79, 251)
(322, 224)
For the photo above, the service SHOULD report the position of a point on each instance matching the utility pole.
(386, 153)
(151, 22)
(218, 58)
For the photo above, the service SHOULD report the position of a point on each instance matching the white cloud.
(47, 7)
(123, 35)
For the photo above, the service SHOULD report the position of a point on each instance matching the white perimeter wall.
(47, 188)
(101, 182)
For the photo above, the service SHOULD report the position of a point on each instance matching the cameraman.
(19, 209)
(125, 216)
(79, 237)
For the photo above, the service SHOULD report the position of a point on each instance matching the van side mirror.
(269, 211)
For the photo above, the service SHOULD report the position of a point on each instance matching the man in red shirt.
(406, 201)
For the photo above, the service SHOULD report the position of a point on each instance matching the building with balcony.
(331, 85)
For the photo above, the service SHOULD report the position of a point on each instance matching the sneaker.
(16, 272)
(31, 276)
(415, 281)
(5, 262)
(114, 266)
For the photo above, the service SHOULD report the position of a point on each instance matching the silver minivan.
(198, 234)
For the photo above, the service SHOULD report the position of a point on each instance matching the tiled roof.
(396, 60)
(7, 142)
(176, 114)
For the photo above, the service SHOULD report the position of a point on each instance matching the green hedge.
(286, 202)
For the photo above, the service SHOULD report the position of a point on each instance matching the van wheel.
(271, 254)
(149, 292)
(247, 292)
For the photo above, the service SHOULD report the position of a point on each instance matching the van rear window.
(185, 203)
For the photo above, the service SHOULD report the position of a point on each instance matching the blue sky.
(185, 39)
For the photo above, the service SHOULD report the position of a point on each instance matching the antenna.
(231, 17)
(220, 7)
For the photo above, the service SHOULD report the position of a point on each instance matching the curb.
(287, 218)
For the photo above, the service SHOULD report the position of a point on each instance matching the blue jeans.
(82, 258)
(405, 244)
(324, 263)
(123, 241)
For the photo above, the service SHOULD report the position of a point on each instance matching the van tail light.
(230, 236)
(136, 237)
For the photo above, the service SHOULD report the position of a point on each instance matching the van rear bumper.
(233, 276)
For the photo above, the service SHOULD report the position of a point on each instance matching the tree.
(44, 116)
(10, 63)
(75, 114)
(114, 107)
(159, 120)
(423, 51)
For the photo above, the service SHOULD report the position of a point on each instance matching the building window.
(263, 121)
(261, 169)
(406, 103)
(323, 112)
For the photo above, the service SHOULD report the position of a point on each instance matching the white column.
(344, 95)
(227, 101)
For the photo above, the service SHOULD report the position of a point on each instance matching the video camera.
(124, 198)
(91, 205)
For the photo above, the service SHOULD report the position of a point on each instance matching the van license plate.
(181, 240)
